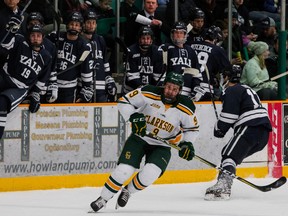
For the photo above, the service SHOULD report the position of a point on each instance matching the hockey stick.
(265, 188)
(212, 95)
(165, 62)
(81, 60)
(279, 76)
(21, 14)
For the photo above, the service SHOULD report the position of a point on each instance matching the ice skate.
(98, 204)
(221, 190)
(123, 198)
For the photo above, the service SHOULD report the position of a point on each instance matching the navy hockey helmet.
(35, 28)
(75, 16)
(175, 78)
(233, 73)
(35, 16)
(145, 30)
(179, 26)
(89, 15)
(196, 13)
(213, 33)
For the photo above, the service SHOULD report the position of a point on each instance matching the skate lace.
(125, 195)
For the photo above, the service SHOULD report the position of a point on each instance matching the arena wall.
(71, 145)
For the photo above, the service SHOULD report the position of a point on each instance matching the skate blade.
(216, 197)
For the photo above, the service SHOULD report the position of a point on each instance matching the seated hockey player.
(26, 69)
(163, 111)
(243, 111)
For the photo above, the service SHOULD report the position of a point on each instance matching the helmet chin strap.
(73, 32)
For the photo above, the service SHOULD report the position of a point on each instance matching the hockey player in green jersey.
(161, 111)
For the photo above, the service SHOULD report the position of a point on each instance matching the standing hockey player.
(27, 68)
(70, 49)
(182, 59)
(243, 111)
(51, 93)
(197, 21)
(103, 83)
(162, 112)
(145, 64)
(212, 59)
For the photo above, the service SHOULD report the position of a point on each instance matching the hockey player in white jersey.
(242, 111)
(161, 111)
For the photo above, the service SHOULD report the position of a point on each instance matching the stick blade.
(274, 185)
(84, 55)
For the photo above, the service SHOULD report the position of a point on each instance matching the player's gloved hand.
(14, 23)
(198, 93)
(218, 133)
(110, 86)
(138, 122)
(187, 151)
(86, 94)
(52, 93)
(34, 102)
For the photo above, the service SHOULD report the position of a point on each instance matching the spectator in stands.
(184, 8)
(267, 31)
(264, 8)
(255, 73)
(129, 10)
(157, 24)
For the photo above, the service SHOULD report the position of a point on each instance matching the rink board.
(68, 145)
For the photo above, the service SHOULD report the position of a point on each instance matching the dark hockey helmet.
(175, 78)
(32, 29)
(89, 15)
(233, 72)
(179, 26)
(196, 13)
(75, 16)
(35, 16)
(213, 33)
(145, 30)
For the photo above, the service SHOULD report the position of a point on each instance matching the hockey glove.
(138, 124)
(34, 102)
(111, 88)
(187, 150)
(86, 94)
(198, 93)
(217, 132)
(52, 93)
(14, 23)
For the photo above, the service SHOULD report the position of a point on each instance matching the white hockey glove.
(52, 93)
(198, 93)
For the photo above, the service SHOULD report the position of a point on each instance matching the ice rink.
(168, 200)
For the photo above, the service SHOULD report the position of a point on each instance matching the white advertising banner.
(62, 140)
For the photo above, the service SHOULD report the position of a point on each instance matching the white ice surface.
(156, 200)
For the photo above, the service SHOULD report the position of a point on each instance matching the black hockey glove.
(14, 23)
(187, 151)
(34, 102)
(111, 88)
(138, 124)
(52, 93)
(86, 94)
(218, 133)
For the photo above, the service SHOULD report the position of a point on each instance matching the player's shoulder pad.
(185, 104)
(153, 92)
